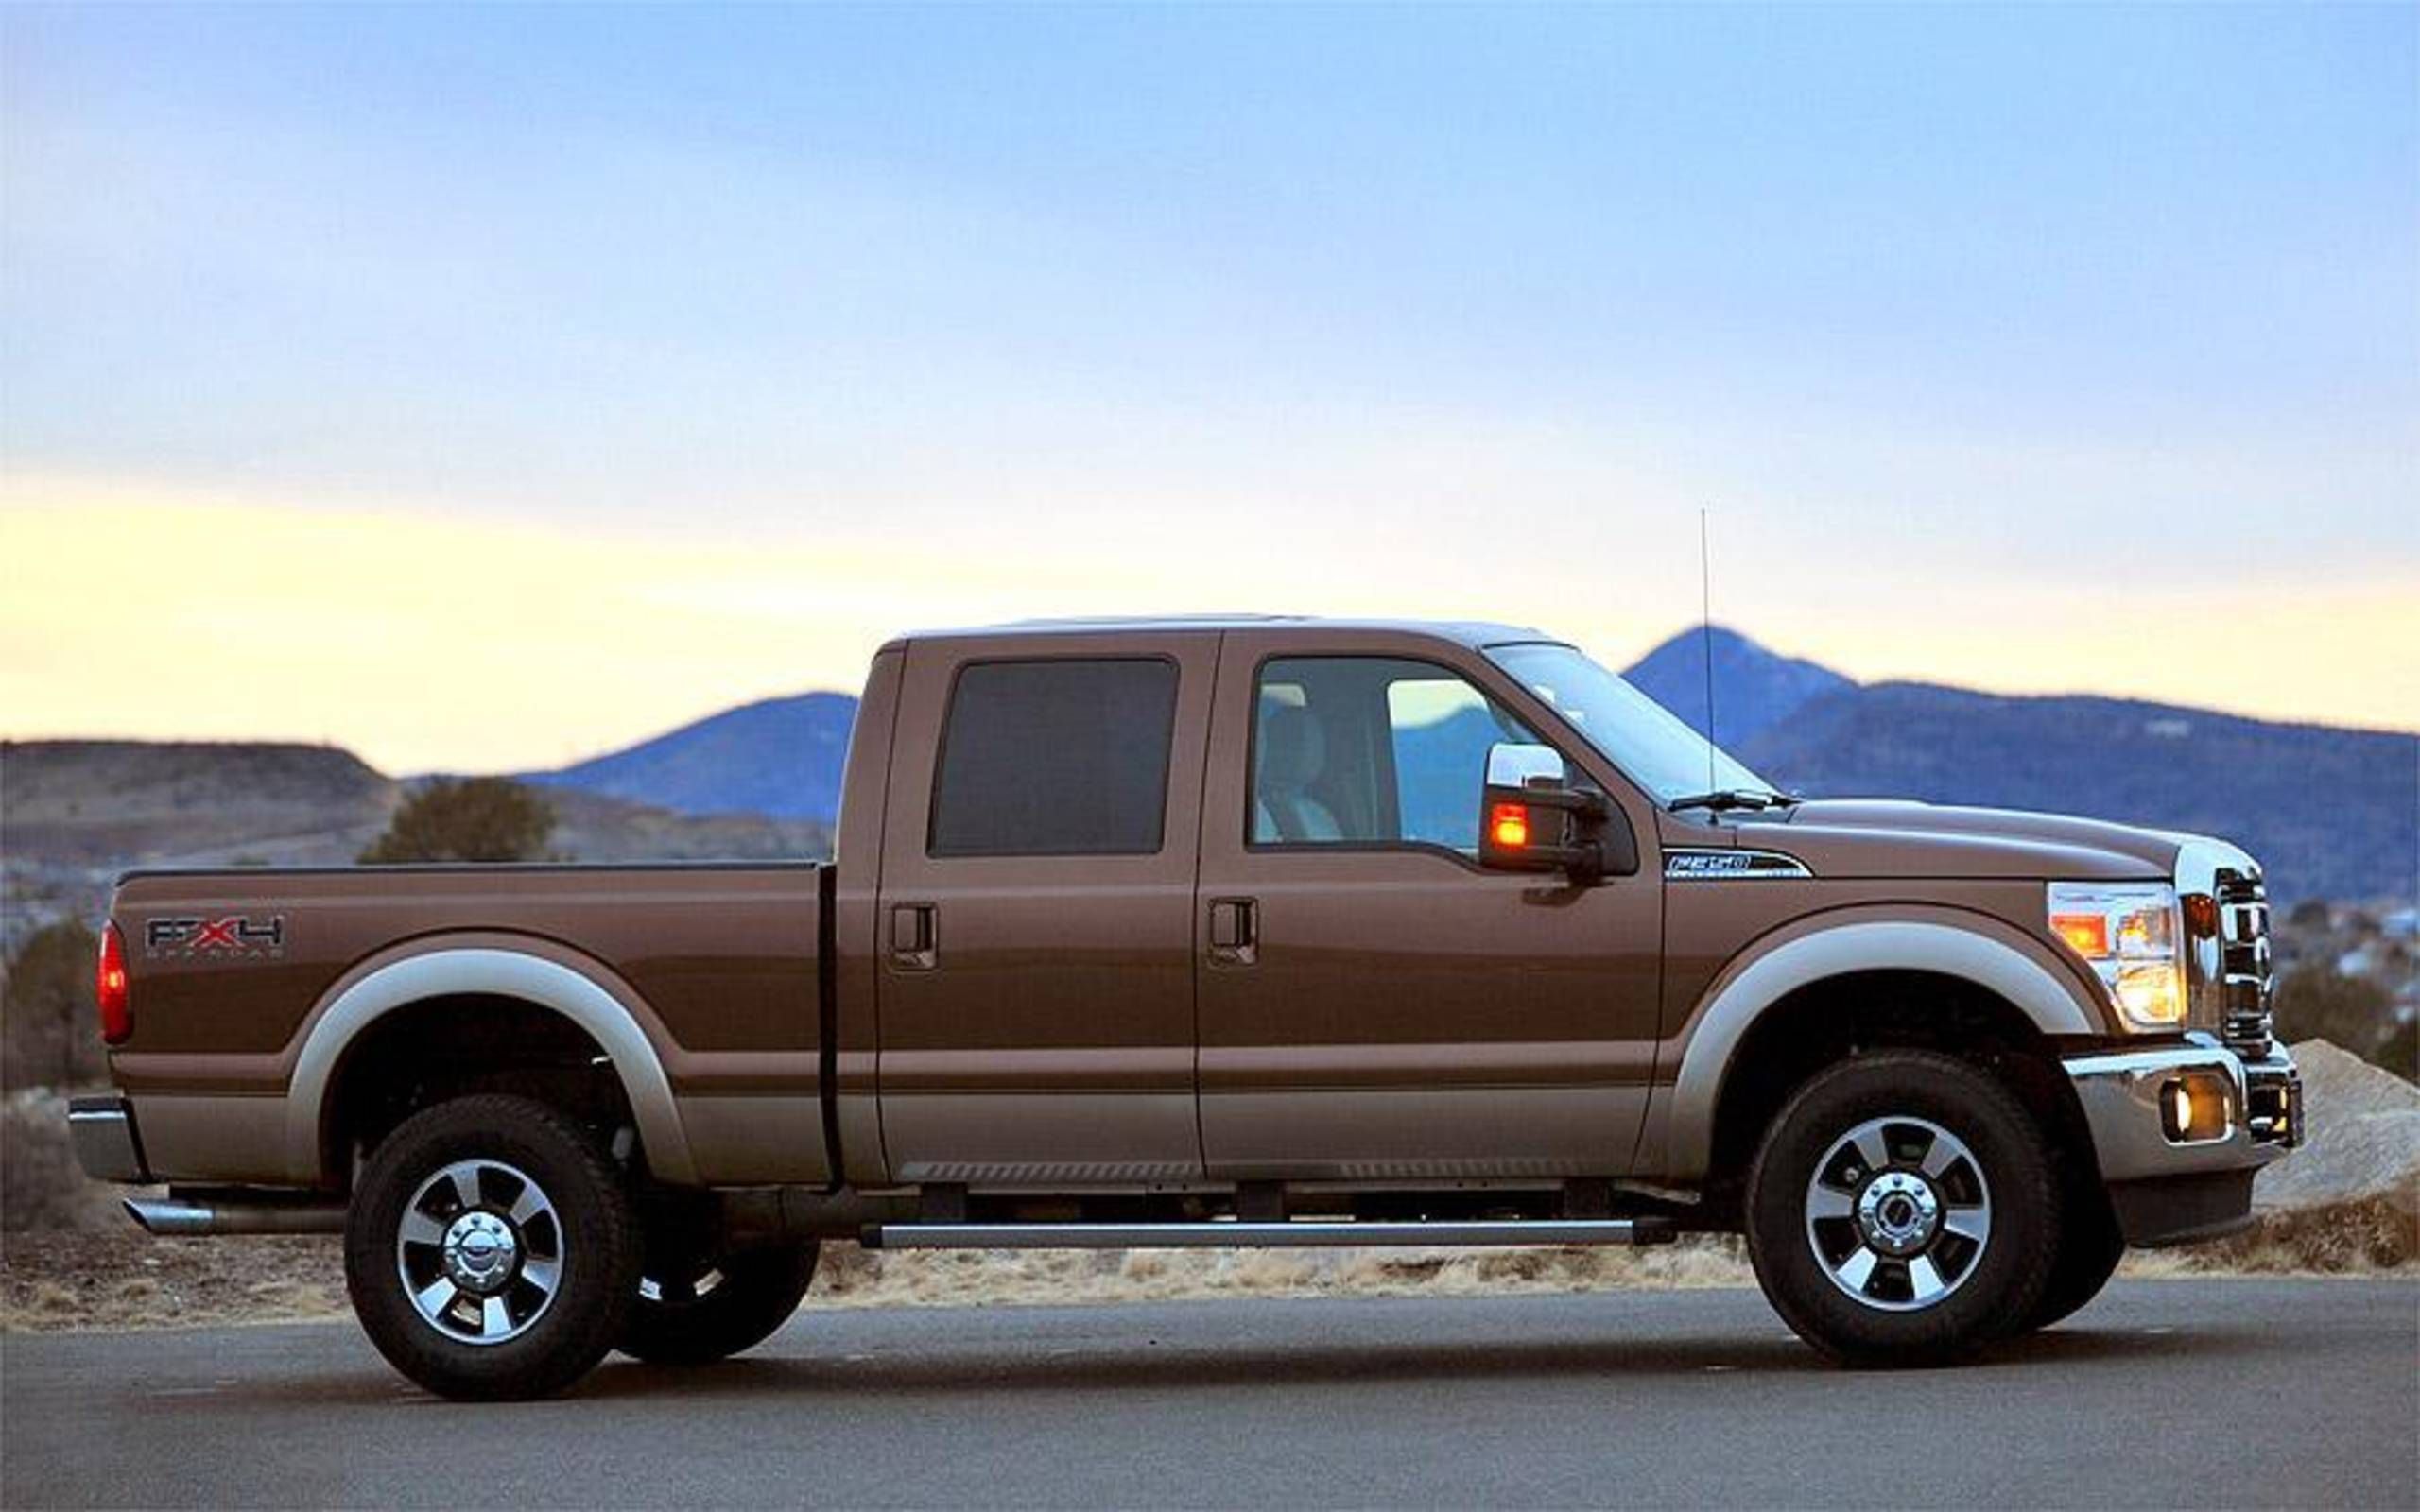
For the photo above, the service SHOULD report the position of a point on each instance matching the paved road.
(2206, 1393)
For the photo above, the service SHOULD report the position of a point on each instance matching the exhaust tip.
(145, 1211)
(160, 1215)
(181, 1218)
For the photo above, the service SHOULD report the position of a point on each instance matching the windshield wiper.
(1732, 798)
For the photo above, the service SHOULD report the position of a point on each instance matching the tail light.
(109, 989)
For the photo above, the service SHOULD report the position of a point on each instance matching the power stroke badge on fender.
(1730, 865)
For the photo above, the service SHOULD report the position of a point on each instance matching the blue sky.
(2001, 341)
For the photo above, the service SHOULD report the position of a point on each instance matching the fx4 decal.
(233, 937)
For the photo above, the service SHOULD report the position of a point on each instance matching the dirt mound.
(2349, 1199)
(2363, 1137)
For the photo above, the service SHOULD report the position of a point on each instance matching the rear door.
(1373, 1005)
(1036, 917)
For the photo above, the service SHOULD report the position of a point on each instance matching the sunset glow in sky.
(482, 389)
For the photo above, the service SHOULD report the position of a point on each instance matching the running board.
(1227, 1234)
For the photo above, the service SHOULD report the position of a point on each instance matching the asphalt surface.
(2215, 1393)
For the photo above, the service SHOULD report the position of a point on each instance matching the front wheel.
(2090, 1246)
(1901, 1210)
(491, 1252)
(698, 1310)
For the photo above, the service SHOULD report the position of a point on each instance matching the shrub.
(41, 1185)
(50, 1028)
(2321, 1002)
(471, 818)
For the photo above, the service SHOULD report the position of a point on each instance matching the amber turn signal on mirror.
(1507, 825)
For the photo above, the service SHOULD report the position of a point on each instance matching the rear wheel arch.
(436, 1049)
(440, 986)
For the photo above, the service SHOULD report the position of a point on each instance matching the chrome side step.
(1225, 1234)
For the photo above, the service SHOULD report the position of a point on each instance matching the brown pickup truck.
(1250, 932)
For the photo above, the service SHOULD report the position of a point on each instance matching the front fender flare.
(494, 973)
(1979, 951)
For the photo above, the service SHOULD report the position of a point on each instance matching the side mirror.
(1511, 765)
(1532, 819)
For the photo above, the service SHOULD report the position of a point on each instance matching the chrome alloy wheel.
(1898, 1214)
(480, 1252)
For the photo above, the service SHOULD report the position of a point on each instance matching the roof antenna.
(1706, 639)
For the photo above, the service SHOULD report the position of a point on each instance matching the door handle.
(915, 936)
(1234, 931)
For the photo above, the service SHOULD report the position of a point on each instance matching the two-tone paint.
(1401, 1015)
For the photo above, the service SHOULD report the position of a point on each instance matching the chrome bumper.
(107, 1146)
(2173, 1188)
(2121, 1092)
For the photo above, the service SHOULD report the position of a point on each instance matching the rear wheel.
(491, 1252)
(1901, 1210)
(695, 1310)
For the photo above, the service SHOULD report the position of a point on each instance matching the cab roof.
(1473, 633)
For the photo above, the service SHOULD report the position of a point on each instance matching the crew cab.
(1214, 932)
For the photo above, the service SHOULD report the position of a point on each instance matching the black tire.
(564, 1263)
(1999, 1177)
(2090, 1247)
(711, 1309)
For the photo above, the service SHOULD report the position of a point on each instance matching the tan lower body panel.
(218, 1137)
(740, 1140)
(1041, 1137)
(1369, 1133)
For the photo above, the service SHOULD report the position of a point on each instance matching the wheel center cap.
(1898, 1212)
(480, 1252)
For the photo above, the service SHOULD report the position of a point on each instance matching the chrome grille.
(2246, 980)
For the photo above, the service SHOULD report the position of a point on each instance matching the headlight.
(2129, 933)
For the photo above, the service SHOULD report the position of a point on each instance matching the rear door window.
(1055, 758)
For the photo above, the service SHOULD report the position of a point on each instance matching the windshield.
(1637, 735)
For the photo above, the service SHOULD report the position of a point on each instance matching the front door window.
(1371, 752)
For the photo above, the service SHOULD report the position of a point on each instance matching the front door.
(1036, 990)
(1373, 1004)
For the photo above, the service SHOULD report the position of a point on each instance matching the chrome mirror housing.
(1513, 765)
(1532, 819)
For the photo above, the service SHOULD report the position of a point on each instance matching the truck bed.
(716, 965)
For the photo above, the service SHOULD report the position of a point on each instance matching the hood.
(1876, 837)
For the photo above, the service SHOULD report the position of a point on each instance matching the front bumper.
(107, 1143)
(2172, 1186)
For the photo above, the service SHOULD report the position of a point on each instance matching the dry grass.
(2368, 1237)
(128, 1280)
(857, 1278)
(110, 1281)
(2354, 1194)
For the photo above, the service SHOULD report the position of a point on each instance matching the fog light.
(2193, 1110)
